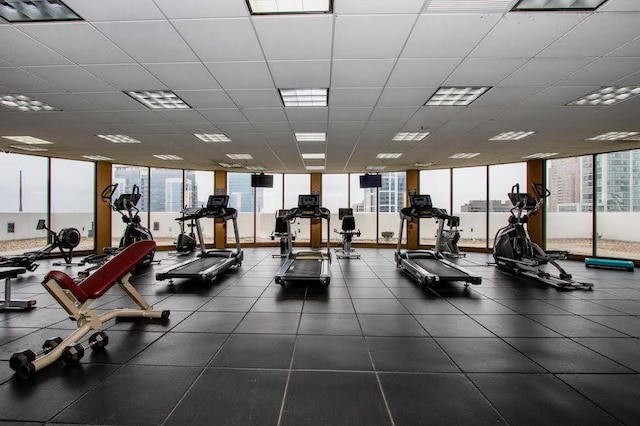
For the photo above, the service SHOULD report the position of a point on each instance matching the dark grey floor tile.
(326, 293)
(333, 306)
(436, 399)
(487, 355)
(232, 397)
(565, 356)
(241, 291)
(331, 353)
(584, 307)
(180, 302)
(181, 349)
(334, 398)
(210, 322)
(370, 293)
(625, 324)
(624, 351)
(533, 307)
(514, 326)
(9, 334)
(409, 354)
(390, 325)
(38, 317)
(575, 326)
(364, 282)
(480, 306)
(631, 307)
(229, 304)
(434, 306)
(378, 306)
(538, 399)
(147, 324)
(256, 351)
(500, 293)
(271, 304)
(332, 324)
(452, 326)
(123, 345)
(273, 323)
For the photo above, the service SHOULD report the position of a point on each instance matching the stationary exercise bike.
(449, 238)
(281, 231)
(348, 232)
(514, 251)
(186, 242)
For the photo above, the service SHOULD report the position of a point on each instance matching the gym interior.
(319, 212)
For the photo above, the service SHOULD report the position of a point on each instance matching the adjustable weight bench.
(76, 300)
(7, 274)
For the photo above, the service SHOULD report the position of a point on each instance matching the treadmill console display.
(342, 212)
(217, 202)
(309, 201)
(420, 202)
(527, 201)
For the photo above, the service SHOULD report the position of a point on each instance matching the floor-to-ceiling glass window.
(436, 183)
(570, 206)
(294, 185)
(501, 178)
(335, 195)
(364, 202)
(167, 191)
(72, 199)
(23, 202)
(198, 186)
(391, 199)
(241, 198)
(268, 202)
(470, 204)
(126, 177)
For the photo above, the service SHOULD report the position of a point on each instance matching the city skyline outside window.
(198, 186)
(126, 177)
(268, 202)
(437, 184)
(294, 185)
(241, 198)
(391, 196)
(167, 193)
(501, 178)
(364, 202)
(335, 195)
(470, 203)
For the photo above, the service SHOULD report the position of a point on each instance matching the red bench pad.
(107, 275)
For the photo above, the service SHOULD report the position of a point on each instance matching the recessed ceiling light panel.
(255, 168)
(315, 168)
(97, 158)
(230, 166)
(25, 103)
(456, 96)
(29, 148)
(311, 137)
(423, 164)
(240, 156)
(606, 96)
(375, 168)
(36, 10)
(468, 6)
(613, 136)
(159, 99)
(313, 156)
(384, 155)
(304, 97)
(168, 157)
(553, 5)
(119, 138)
(540, 155)
(465, 155)
(212, 137)
(266, 7)
(29, 140)
(406, 136)
(511, 136)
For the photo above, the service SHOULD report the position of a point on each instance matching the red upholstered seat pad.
(108, 274)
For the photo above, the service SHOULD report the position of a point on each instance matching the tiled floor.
(373, 348)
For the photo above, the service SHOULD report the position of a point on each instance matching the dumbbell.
(74, 352)
(26, 356)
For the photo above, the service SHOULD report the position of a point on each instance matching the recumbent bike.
(348, 232)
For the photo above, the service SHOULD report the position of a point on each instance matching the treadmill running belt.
(305, 268)
(194, 268)
(440, 269)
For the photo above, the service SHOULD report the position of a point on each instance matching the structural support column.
(316, 224)
(413, 187)
(102, 211)
(220, 188)
(536, 225)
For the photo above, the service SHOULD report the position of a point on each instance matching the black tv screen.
(262, 181)
(370, 181)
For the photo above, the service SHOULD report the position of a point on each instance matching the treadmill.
(207, 264)
(307, 265)
(428, 266)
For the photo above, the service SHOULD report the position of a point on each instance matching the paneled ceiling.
(381, 61)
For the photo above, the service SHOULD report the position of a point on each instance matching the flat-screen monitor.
(217, 201)
(370, 181)
(306, 201)
(420, 201)
(342, 212)
(262, 181)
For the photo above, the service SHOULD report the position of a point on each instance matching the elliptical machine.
(514, 251)
(348, 232)
(449, 239)
(186, 242)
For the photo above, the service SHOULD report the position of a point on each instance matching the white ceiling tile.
(631, 80)
(67, 102)
(126, 77)
(422, 72)
(113, 101)
(210, 39)
(353, 127)
(231, 129)
(273, 127)
(313, 127)
(19, 49)
(371, 37)
(378, 6)
(205, 99)
(96, 118)
(295, 37)
(587, 38)
(631, 49)
(430, 118)
(361, 73)
(255, 98)
(506, 96)
(354, 97)
(620, 6)
(603, 72)
(483, 72)
(148, 41)
(559, 96)
(194, 9)
(523, 35)
(307, 115)
(545, 71)
(115, 10)
(242, 75)
(20, 81)
(186, 76)
(142, 117)
(262, 115)
(182, 116)
(392, 114)
(300, 74)
(349, 114)
(223, 115)
(447, 36)
(405, 96)
(71, 78)
(77, 41)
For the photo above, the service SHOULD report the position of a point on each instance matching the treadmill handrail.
(317, 213)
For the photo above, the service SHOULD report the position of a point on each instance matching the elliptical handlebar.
(107, 193)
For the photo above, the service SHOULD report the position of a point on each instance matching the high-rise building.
(240, 192)
(390, 195)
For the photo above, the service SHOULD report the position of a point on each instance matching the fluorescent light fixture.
(375, 168)
(405, 136)
(633, 139)
(614, 136)
(423, 164)
(231, 166)
(212, 137)
(168, 157)
(36, 10)
(304, 97)
(465, 155)
(97, 158)
(240, 156)
(255, 168)
(316, 168)
(265, 7)
(511, 136)
(159, 99)
(456, 96)
(311, 137)
(311, 156)
(554, 5)
(25, 103)
(541, 155)
(29, 148)
(388, 155)
(29, 140)
(606, 96)
(119, 138)
(468, 6)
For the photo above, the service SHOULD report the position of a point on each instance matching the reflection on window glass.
(391, 198)
(198, 186)
(268, 202)
(569, 208)
(23, 202)
(166, 202)
(241, 198)
(364, 202)
(437, 184)
(470, 203)
(72, 195)
(126, 177)
(335, 195)
(295, 185)
(501, 179)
